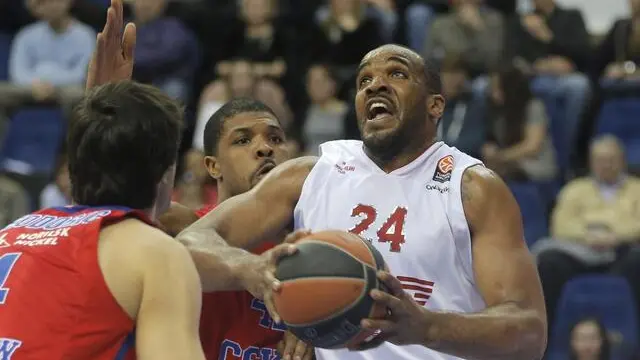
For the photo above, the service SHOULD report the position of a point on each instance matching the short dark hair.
(432, 77)
(122, 139)
(215, 124)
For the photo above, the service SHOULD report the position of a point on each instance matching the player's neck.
(223, 194)
(405, 157)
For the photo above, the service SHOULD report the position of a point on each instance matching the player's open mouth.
(378, 109)
(264, 169)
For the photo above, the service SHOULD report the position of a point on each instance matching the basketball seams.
(343, 250)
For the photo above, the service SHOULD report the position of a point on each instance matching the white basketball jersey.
(413, 216)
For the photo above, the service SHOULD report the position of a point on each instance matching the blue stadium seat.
(533, 208)
(619, 116)
(33, 137)
(5, 47)
(606, 297)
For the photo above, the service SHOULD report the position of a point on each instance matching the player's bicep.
(169, 314)
(504, 269)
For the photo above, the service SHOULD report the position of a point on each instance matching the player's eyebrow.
(395, 58)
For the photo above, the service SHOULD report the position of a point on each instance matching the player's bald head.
(403, 54)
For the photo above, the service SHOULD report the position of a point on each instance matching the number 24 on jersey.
(391, 231)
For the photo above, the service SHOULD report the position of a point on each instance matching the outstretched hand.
(112, 59)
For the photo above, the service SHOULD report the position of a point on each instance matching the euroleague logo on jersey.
(444, 168)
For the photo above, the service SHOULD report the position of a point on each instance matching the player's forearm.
(500, 332)
(221, 267)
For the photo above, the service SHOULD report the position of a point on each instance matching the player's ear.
(435, 106)
(213, 167)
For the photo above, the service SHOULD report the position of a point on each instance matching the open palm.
(112, 59)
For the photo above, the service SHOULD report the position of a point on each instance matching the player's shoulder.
(141, 241)
(480, 185)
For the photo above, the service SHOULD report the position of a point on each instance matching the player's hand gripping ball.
(325, 289)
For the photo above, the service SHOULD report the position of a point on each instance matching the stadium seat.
(533, 208)
(5, 47)
(606, 297)
(32, 140)
(619, 116)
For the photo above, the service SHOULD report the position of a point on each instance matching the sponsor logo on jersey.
(51, 222)
(3, 241)
(444, 168)
(343, 167)
(441, 189)
(232, 350)
(8, 348)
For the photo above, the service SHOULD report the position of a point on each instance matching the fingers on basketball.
(271, 308)
(280, 251)
(296, 235)
(392, 284)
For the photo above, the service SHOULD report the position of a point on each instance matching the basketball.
(325, 289)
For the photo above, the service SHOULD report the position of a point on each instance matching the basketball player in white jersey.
(464, 284)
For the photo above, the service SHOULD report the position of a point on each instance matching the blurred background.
(545, 92)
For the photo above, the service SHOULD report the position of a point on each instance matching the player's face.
(50, 10)
(391, 99)
(586, 340)
(251, 145)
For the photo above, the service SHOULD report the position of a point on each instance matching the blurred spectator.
(258, 38)
(472, 31)
(619, 52)
(594, 225)
(326, 115)
(14, 201)
(553, 43)
(57, 193)
(418, 18)
(49, 58)
(347, 34)
(520, 146)
(166, 51)
(463, 122)
(241, 81)
(589, 341)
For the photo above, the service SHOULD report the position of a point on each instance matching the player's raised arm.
(265, 212)
(514, 324)
(169, 314)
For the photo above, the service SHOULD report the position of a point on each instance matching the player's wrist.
(431, 328)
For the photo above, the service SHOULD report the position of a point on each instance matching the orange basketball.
(325, 289)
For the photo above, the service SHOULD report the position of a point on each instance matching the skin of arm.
(514, 324)
(217, 241)
(167, 324)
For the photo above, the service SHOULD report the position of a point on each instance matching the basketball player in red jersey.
(97, 280)
(243, 141)
(505, 320)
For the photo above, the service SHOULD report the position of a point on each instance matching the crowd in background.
(532, 90)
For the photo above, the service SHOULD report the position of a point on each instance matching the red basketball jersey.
(54, 302)
(235, 325)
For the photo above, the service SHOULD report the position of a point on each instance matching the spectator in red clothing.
(243, 141)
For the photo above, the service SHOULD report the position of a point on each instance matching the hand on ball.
(406, 322)
(260, 279)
